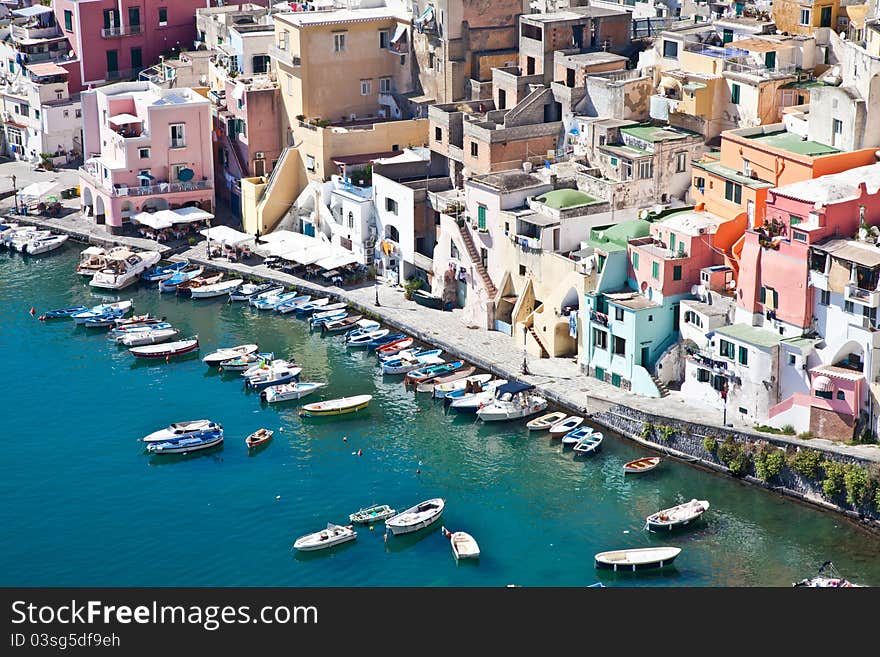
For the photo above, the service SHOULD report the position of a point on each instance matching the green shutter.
(734, 94)
(481, 217)
(763, 296)
(676, 273)
(600, 373)
(655, 269)
(672, 241)
(635, 260)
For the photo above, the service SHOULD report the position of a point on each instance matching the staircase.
(664, 391)
(534, 334)
(478, 263)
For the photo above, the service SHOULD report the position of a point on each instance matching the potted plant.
(411, 285)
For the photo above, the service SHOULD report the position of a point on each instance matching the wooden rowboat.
(544, 422)
(258, 437)
(641, 465)
(637, 559)
(336, 406)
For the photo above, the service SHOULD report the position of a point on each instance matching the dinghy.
(290, 305)
(186, 288)
(277, 373)
(363, 326)
(384, 339)
(166, 350)
(420, 375)
(676, 516)
(289, 391)
(333, 310)
(229, 353)
(589, 445)
(641, 465)
(191, 443)
(184, 274)
(341, 324)
(544, 422)
(248, 290)
(119, 336)
(258, 437)
(180, 430)
(364, 338)
(395, 347)
(636, 559)
(152, 336)
(63, 313)
(272, 301)
(333, 535)
(103, 309)
(163, 272)
(273, 291)
(371, 514)
(464, 546)
(311, 306)
(475, 401)
(417, 517)
(336, 406)
(244, 363)
(565, 425)
(427, 385)
(408, 364)
(215, 290)
(574, 436)
(473, 382)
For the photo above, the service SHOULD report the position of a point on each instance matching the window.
(870, 313)
(676, 273)
(627, 170)
(438, 134)
(703, 376)
(14, 135)
(805, 17)
(733, 192)
(727, 36)
(143, 153)
(390, 205)
(481, 217)
(655, 269)
(769, 297)
(743, 356)
(613, 161)
(824, 297)
(351, 220)
(36, 114)
(145, 177)
(700, 183)
(670, 49)
(791, 359)
(618, 314)
(403, 60)
(430, 59)
(650, 318)
(339, 42)
(600, 264)
(837, 126)
(635, 260)
(163, 16)
(366, 87)
(728, 349)
(453, 250)
(848, 307)
(600, 373)
(178, 135)
(646, 169)
(175, 170)
(285, 40)
(68, 20)
(794, 220)
(384, 85)
(799, 236)
(522, 270)
(681, 160)
(78, 113)
(825, 394)
(841, 395)
(734, 93)
(383, 39)
(289, 85)
(619, 346)
(310, 162)
(690, 317)
(24, 110)
(600, 339)
(474, 149)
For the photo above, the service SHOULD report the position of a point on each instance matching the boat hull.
(636, 560)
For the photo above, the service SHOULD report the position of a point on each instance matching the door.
(134, 17)
(750, 212)
(825, 17)
(309, 229)
(646, 355)
(530, 65)
(770, 59)
(112, 61)
(259, 167)
(137, 59)
(484, 258)
(502, 99)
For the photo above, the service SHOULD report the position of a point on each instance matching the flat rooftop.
(691, 222)
(835, 187)
(631, 300)
(307, 18)
(656, 134)
(573, 14)
(509, 181)
(750, 335)
(788, 141)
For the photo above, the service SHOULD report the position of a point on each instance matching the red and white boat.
(394, 347)
(168, 349)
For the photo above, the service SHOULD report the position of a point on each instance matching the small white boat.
(263, 365)
(289, 391)
(166, 350)
(544, 422)
(187, 444)
(565, 425)
(333, 535)
(512, 401)
(272, 292)
(476, 381)
(464, 546)
(340, 406)
(248, 290)
(645, 464)
(153, 336)
(375, 513)
(21, 237)
(290, 305)
(408, 363)
(118, 308)
(124, 268)
(362, 339)
(589, 444)
(229, 353)
(45, 244)
(243, 363)
(417, 517)
(276, 374)
(829, 579)
(181, 429)
(636, 559)
(676, 516)
(216, 289)
(574, 436)
(474, 402)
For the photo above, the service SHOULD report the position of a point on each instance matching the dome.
(562, 199)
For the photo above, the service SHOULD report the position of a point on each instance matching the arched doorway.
(88, 202)
(154, 204)
(570, 303)
(99, 209)
(126, 212)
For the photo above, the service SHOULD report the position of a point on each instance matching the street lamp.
(525, 364)
(376, 289)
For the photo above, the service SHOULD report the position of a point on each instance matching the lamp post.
(525, 364)
(14, 194)
(376, 289)
(724, 397)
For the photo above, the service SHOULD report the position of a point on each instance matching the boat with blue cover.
(185, 274)
(181, 430)
(574, 436)
(274, 291)
(384, 339)
(407, 363)
(273, 301)
(289, 305)
(363, 326)
(163, 272)
(63, 313)
(362, 339)
(103, 309)
(312, 306)
(105, 320)
(190, 443)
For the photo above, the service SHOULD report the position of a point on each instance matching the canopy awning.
(226, 235)
(336, 260)
(190, 214)
(238, 92)
(399, 42)
(124, 119)
(39, 188)
(513, 388)
(157, 220)
(823, 384)
(35, 10)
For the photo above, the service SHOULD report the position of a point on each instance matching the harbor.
(538, 513)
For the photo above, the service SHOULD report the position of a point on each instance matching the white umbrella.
(189, 214)
(226, 235)
(38, 188)
(155, 220)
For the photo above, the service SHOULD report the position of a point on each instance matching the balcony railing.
(749, 68)
(143, 190)
(818, 279)
(121, 31)
(284, 56)
(869, 298)
(122, 74)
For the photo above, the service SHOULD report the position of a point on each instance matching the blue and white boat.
(589, 445)
(384, 339)
(274, 291)
(163, 272)
(181, 430)
(290, 305)
(363, 326)
(186, 274)
(249, 290)
(329, 315)
(242, 363)
(105, 320)
(412, 352)
(407, 363)
(472, 385)
(574, 436)
(190, 443)
(273, 301)
(312, 306)
(277, 373)
(475, 401)
(103, 309)
(117, 335)
(63, 313)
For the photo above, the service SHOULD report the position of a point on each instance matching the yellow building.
(805, 16)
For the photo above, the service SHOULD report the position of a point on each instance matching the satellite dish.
(643, 214)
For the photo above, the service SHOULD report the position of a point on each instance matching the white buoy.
(281, 429)
(277, 497)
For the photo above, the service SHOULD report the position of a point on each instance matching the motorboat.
(45, 244)
(464, 546)
(205, 280)
(588, 445)
(62, 313)
(21, 237)
(636, 558)
(289, 391)
(677, 516)
(827, 577)
(312, 306)
(341, 324)
(7, 230)
(574, 436)
(166, 350)
(333, 535)
(258, 437)
(123, 269)
(406, 364)
(276, 374)
(228, 353)
(163, 272)
(371, 514)
(333, 310)
(94, 259)
(291, 305)
(395, 347)
(512, 401)
(180, 430)
(363, 326)
(473, 384)
(641, 465)
(424, 373)
(248, 290)
(364, 338)
(544, 422)
(273, 301)
(565, 425)
(417, 517)
(119, 335)
(103, 309)
(216, 289)
(243, 363)
(339, 406)
(463, 401)
(151, 336)
(427, 385)
(262, 365)
(180, 276)
(191, 443)
(261, 297)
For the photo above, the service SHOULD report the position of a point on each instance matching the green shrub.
(710, 444)
(805, 462)
(805, 435)
(768, 462)
(856, 480)
(665, 432)
(787, 430)
(834, 478)
(191, 240)
(866, 437)
(727, 449)
(734, 456)
(877, 498)
(647, 430)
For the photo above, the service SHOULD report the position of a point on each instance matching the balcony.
(819, 280)
(526, 243)
(122, 74)
(868, 298)
(33, 32)
(284, 56)
(121, 31)
(143, 190)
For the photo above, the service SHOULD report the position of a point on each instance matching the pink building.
(116, 39)
(146, 149)
(775, 260)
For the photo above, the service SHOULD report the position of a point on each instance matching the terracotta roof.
(46, 68)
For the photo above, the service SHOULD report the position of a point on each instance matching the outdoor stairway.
(478, 263)
(664, 391)
(544, 352)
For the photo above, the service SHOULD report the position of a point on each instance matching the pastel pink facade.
(146, 148)
(115, 39)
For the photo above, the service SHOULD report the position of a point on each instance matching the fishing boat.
(407, 363)
(371, 514)
(124, 268)
(262, 365)
(641, 465)
(333, 310)
(191, 443)
(272, 301)
(364, 338)
(180, 276)
(274, 291)
(290, 305)
(167, 350)
(186, 288)
(258, 437)
(363, 326)
(119, 307)
(228, 353)
(248, 290)
(63, 313)
(45, 243)
(163, 272)
(180, 430)
(341, 324)
(636, 558)
(589, 444)
(289, 391)
(333, 535)
(473, 383)
(151, 336)
(243, 363)
(331, 316)
(106, 320)
(395, 347)
(381, 341)
(512, 401)
(827, 577)
(277, 373)
(339, 406)
(565, 425)
(215, 290)
(544, 422)
(410, 353)
(460, 374)
(420, 375)
(464, 546)
(574, 436)
(120, 336)
(676, 516)
(426, 299)
(312, 306)
(417, 517)
(123, 322)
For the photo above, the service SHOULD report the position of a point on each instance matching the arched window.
(351, 220)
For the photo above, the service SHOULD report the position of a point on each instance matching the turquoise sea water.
(85, 506)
